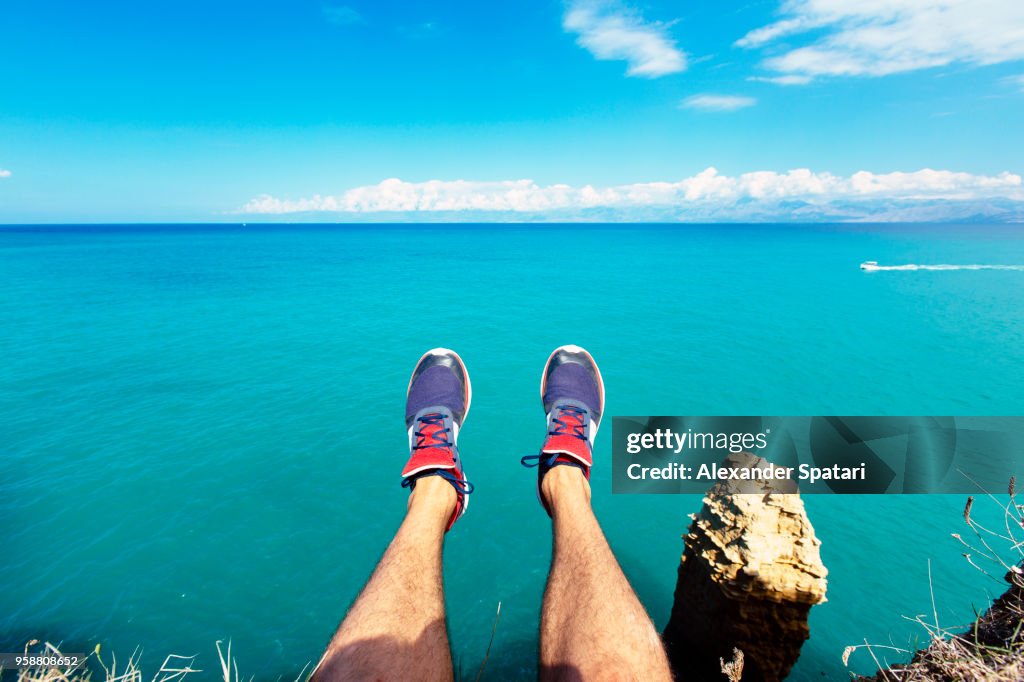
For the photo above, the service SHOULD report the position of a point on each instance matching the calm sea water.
(201, 427)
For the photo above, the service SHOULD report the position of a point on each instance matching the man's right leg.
(593, 627)
(396, 629)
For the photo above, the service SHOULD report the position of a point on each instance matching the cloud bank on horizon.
(810, 40)
(726, 196)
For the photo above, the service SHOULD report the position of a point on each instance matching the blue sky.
(166, 111)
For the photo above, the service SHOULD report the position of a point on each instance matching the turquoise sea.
(201, 426)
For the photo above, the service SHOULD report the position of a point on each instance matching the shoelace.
(439, 436)
(438, 439)
(463, 487)
(530, 461)
(576, 429)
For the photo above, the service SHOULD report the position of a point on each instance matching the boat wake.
(873, 265)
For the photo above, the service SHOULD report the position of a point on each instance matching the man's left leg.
(396, 628)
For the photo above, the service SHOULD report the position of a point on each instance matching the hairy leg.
(593, 627)
(396, 630)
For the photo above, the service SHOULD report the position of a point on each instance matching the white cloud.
(881, 37)
(341, 15)
(4, 173)
(768, 33)
(708, 102)
(707, 188)
(612, 32)
(1017, 80)
(789, 79)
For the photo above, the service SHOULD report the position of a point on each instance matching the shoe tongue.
(425, 438)
(573, 420)
(565, 441)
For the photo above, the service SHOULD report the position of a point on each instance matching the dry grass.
(733, 670)
(992, 649)
(173, 669)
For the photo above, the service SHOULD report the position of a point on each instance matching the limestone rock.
(749, 575)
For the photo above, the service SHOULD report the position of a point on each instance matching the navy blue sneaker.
(572, 392)
(437, 402)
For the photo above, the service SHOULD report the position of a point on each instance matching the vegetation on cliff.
(992, 648)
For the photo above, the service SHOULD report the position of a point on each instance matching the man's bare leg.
(396, 628)
(592, 627)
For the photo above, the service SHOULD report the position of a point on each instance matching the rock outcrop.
(749, 575)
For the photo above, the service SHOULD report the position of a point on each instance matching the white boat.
(869, 265)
